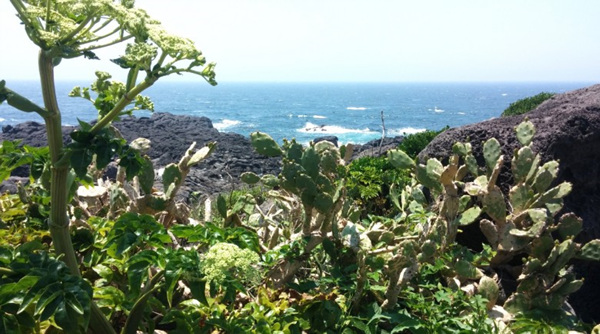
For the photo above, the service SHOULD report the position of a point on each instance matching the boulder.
(567, 130)
(376, 147)
(331, 139)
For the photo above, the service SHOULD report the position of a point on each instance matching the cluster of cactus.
(140, 195)
(314, 174)
(433, 208)
(173, 177)
(520, 224)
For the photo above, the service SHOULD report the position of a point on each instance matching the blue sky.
(362, 40)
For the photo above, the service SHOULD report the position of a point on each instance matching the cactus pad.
(590, 251)
(265, 145)
(171, 175)
(569, 225)
(525, 132)
(522, 163)
(494, 205)
(249, 178)
(400, 159)
(488, 288)
(469, 216)
(491, 153)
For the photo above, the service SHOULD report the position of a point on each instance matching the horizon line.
(187, 80)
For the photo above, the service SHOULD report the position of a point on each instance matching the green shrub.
(369, 180)
(522, 106)
(413, 144)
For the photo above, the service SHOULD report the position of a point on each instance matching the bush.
(413, 144)
(522, 106)
(369, 180)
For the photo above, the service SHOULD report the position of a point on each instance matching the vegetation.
(370, 179)
(525, 105)
(414, 143)
(294, 255)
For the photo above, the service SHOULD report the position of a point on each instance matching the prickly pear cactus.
(520, 223)
(314, 174)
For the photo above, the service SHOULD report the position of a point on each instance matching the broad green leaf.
(50, 308)
(80, 161)
(222, 206)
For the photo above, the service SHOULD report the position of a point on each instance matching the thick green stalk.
(59, 221)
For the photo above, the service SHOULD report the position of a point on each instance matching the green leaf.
(329, 248)
(74, 304)
(198, 289)
(80, 161)
(82, 137)
(124, 243)
(171, 279)
(50, 308)
(104, 153)
(222, 206)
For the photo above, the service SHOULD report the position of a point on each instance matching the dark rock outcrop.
(568, 130)
(170, 136)
(331, 139)
(376, 148)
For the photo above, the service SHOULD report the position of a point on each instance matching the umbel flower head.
(225, 259)
(74, 28)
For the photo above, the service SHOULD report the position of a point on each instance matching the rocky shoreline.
(171, 135)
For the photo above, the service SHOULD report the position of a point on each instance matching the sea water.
(350, 111)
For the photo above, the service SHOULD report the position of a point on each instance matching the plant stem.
(123, 102)
(59, 221)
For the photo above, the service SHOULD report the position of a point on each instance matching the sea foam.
(226, 123)
(404, 131)
(356, 108)
(331, 129)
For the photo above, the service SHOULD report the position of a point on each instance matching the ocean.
(350, 111)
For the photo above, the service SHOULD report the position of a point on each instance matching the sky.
(360, 40)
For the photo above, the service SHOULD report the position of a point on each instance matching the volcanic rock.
(170, 136)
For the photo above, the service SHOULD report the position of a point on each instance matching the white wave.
(330, 129)
(461, 113)
(302, 116)
(2, 119)
(319, 117)
(226, 123)
(436, 109)
(405, 131)
(356, 108)
(504, 94)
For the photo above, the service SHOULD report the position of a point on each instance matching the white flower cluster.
(225, 259)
